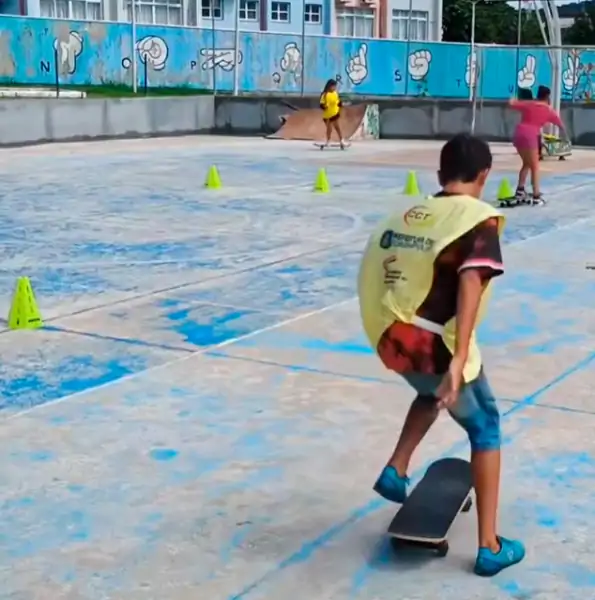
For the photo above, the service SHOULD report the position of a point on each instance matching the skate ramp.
(358, 122)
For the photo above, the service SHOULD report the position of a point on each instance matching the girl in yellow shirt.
(331, 111)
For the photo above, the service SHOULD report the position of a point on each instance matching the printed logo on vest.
(418, 216)
(391, 272)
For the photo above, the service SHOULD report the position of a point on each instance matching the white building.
(345, 18)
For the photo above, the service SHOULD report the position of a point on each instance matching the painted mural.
(32, 51)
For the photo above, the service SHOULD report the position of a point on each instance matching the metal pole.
(303, 41)
(133, 49)
(557, 35)
(214, 69)
(472, 66)
(236, 48)
(57, 72)
(408, 51)
(473, 70)
(519, 27)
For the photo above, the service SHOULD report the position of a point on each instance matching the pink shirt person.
(534, 115)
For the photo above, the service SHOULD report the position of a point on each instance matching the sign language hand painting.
(357, 67)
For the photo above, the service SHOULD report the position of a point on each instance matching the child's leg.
(477, 413)
(421, 416)
(337, 126)
(540, 146)
(392, 483)
(533, 159)
(329, 130)
(524, 170)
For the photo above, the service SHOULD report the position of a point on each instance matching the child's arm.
(323, 101)
(555, 119)
(521, 105)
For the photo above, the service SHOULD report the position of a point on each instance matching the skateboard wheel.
(442, 549)
(396, 544)
(467, 506)
(561, 158)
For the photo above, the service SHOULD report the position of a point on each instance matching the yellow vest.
(414, 237)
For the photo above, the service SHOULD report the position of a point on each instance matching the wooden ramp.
(307, 124)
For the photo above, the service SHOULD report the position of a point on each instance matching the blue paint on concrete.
(59, 527)
(212, 329)
(308, 549)
(48, 281)
(163, 454)
(356, 346)
(17, 503)
(391, 380)
(122, 340)
(145, 251)
(41, 456)
(512, 588)
(68, 376)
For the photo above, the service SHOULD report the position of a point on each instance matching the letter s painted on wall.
(398, 76)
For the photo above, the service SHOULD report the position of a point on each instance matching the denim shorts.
(475, 411)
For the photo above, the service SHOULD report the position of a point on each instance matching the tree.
(495, 23)
(582, 32)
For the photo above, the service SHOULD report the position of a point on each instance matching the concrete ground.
(202, 418)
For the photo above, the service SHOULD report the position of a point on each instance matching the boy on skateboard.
(422, 284)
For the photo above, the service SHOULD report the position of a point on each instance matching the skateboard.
(555, 147)
(515, 201)
(508, 202)
(427, 515)
(332, 145)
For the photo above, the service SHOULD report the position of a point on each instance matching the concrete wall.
(30, 121)
(411, 118)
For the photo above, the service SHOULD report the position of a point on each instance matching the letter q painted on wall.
(153, 51)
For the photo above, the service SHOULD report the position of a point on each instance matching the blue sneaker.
(391, 486)
(488, 563)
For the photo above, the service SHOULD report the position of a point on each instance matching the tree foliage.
(496, 22)
(582, 33)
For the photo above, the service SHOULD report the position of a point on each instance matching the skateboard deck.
(430, 510)
(331, 145)
(508, 202)
(512, 202)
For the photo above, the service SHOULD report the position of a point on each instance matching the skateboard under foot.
(427, 515)
(332, 145)
(508, 202)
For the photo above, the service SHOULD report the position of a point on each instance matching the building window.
(157, 12)
(211, 9)
(83, 10)
(249, 10)
(280, 12)
(355, 22)
(313, 14)
(419, 25)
